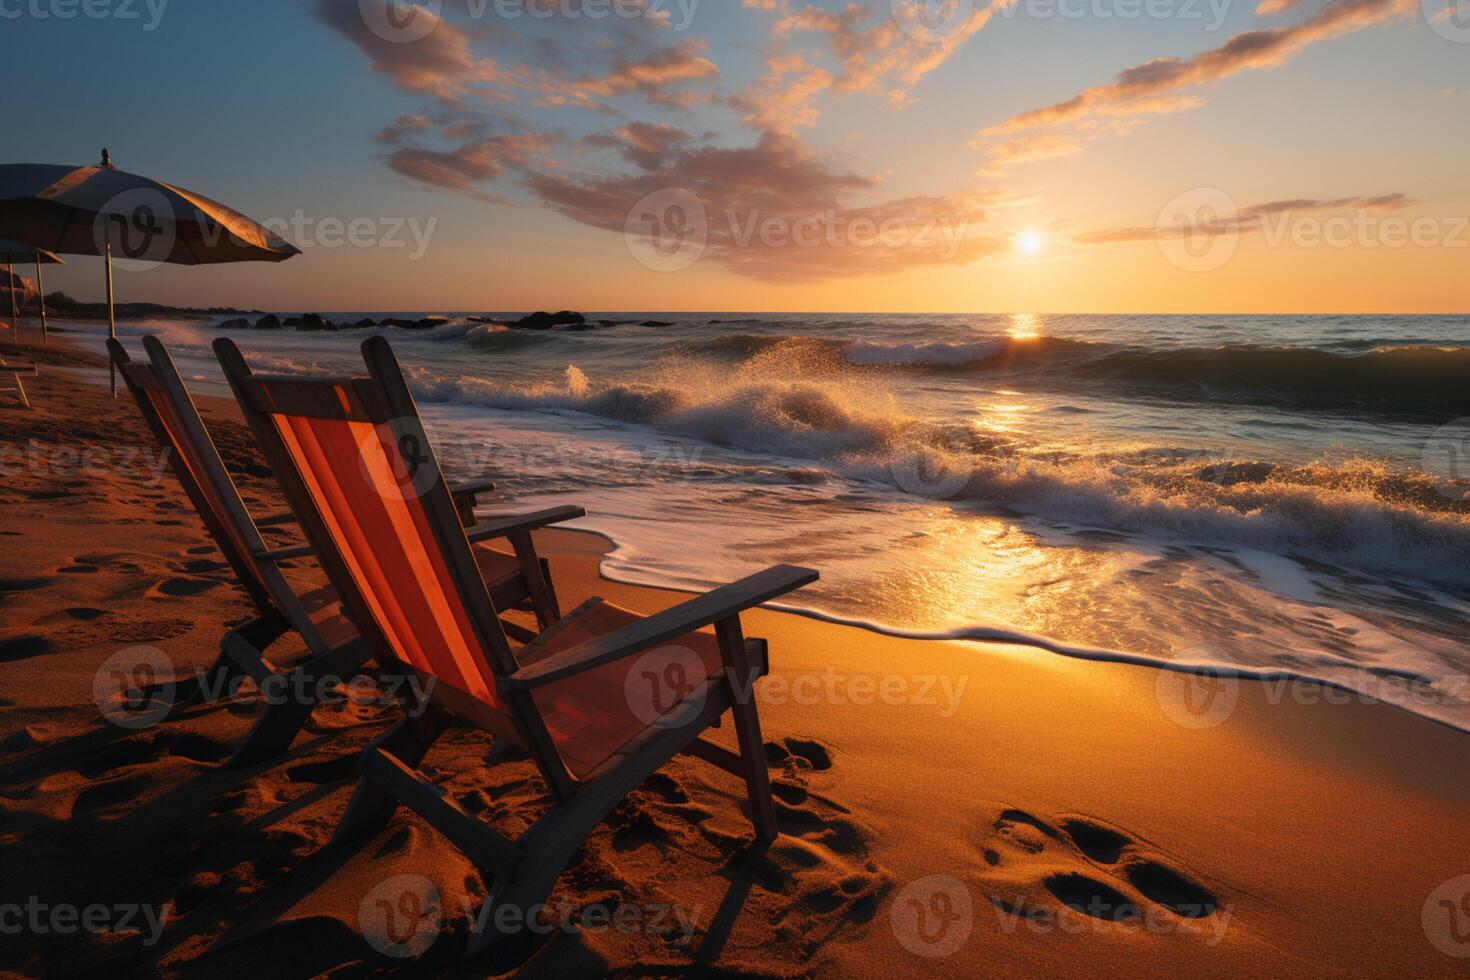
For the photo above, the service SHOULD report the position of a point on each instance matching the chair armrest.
(277, 555)
(478, 486)
(276, 520)
(722, 603)
(504, 527)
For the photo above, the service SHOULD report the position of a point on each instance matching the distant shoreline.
(63, 307)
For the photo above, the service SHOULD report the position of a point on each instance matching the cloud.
(454, 63)
(671, 66)
(1150, 88)
(1027, 147)
(1049, 144)
(440, 62)
(875, 58)
(1246, 220)
(781, 99)
(778, 212)
(649, 146)
(1268, 7)
(465, 167)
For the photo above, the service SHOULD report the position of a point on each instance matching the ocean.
(1263, 495)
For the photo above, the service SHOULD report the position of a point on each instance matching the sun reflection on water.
(1025, 326)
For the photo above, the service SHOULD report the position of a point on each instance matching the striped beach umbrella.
(110, 213)
(13, 252)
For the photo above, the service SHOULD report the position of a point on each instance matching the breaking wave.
(1419, 380)
(1360, 512)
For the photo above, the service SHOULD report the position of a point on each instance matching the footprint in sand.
(185, 585)
(336, 770)
(85, 613)
(202, 565)
(798, 753)
(23, 584)
(816, 880)
(48, 494)
(23, 647)
(1087, 866)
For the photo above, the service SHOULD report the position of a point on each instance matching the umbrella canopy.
(103, 211)
(18, 252)
(12, 252)
(86, 210)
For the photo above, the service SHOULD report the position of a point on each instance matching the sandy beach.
(959, 809)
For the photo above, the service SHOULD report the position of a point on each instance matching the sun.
(1030, 242)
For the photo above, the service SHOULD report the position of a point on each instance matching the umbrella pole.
(111, 322)
(10, 282)
(41, 299)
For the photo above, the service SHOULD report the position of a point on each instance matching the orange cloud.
(1246, 220)
(1147, 88)
(440, 61)
(463, 168)
(777, 212)
(876, 58)
(674, 64)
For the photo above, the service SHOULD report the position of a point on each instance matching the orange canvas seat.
(593, 715)
(499, 570)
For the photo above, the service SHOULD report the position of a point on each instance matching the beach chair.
(600, 700)
(333, 648)
(13, 372)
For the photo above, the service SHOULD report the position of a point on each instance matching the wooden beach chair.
(573, 697)
(333, 648)
(13, 372)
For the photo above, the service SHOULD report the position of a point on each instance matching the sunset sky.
(1024, 157)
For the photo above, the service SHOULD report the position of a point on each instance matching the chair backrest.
(359, 471)
(174, 419)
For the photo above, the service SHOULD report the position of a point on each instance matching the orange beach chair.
(570, 697)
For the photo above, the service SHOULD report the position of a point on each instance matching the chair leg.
(276, 728)
(536, 572)
(552, 600)
(512, 905)
(748, 728)
(372, 806)
(272, 733)
(239, 652)
(210, 687)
